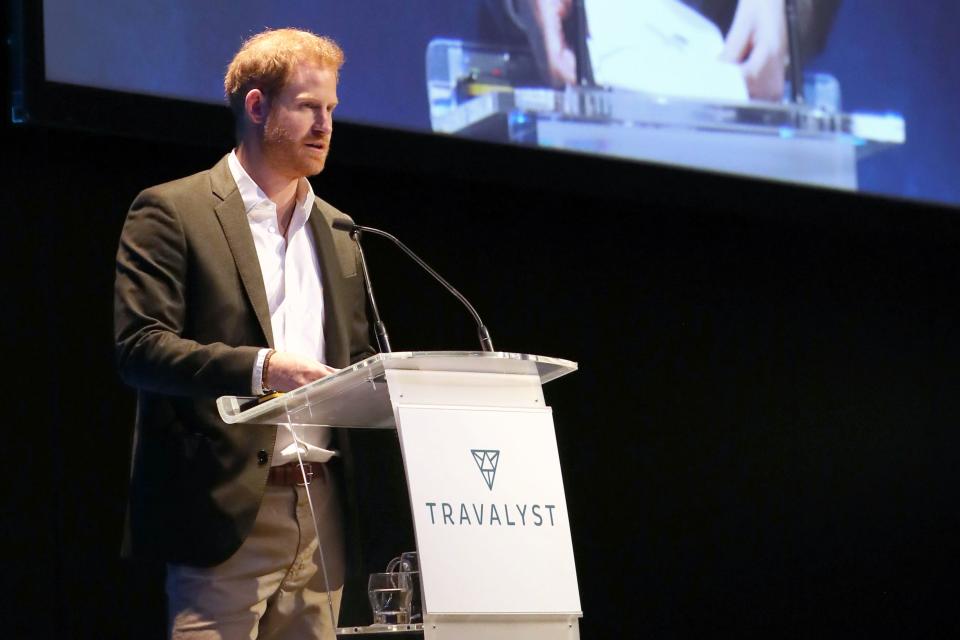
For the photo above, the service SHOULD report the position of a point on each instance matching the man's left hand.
(757, 41)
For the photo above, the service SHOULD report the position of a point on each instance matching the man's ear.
(256, 107)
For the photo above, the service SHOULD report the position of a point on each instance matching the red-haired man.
(231, 281)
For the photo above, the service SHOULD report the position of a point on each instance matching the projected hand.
(757, 41)
(561, 61)
(288, 371)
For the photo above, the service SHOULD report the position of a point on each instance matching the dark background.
(760, 440)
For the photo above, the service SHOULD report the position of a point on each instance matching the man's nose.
(323, 123)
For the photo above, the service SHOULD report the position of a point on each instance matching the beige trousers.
(273, 586)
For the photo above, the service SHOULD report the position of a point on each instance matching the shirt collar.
(254, 197)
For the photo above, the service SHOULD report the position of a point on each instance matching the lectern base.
(393, 632)
(490, 627)
(476, 628)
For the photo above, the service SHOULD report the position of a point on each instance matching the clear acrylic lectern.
(486, 492)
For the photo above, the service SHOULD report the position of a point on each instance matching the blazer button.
(262, 457)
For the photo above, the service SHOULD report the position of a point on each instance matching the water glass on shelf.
(390, 597)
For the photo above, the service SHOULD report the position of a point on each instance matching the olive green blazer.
(190, 315)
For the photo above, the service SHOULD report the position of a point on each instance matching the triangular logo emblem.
(486, 460)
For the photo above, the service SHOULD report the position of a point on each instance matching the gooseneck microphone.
(793, 41)
(380, 329)
(486, 343)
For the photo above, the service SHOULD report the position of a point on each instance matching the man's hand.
(287, 371)
(757, 41)
(560, 60)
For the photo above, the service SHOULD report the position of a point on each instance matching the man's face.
(297, 131)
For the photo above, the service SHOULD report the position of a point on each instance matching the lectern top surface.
(473, 361)
(363, 381)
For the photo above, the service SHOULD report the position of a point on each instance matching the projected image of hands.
(671, 47)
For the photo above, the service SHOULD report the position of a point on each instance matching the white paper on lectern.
(473, 561)
(662, 47)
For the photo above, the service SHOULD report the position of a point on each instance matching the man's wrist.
(258, 376)
(264, 385)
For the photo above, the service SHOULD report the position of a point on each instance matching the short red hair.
(267, 60)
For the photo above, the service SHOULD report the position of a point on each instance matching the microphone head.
(343, 225)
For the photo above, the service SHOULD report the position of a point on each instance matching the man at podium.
(232, 282)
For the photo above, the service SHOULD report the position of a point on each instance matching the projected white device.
(486, 492)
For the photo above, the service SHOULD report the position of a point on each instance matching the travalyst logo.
(487, 460)
(508, 514)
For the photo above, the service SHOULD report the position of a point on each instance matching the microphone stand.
(383, 340)
(486, 342)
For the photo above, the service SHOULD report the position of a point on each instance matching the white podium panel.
(489, 510)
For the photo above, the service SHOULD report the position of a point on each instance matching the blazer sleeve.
(150, 311)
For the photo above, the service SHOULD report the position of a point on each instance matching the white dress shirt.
(291, 277)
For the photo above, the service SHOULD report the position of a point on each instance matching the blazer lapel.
(334, 305)
(233, 219)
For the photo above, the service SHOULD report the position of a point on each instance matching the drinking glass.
(390, 597)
